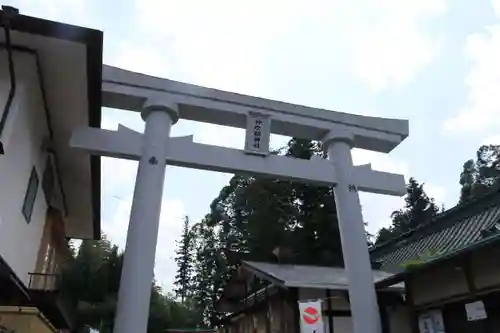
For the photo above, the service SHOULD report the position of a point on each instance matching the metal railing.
(51, 283)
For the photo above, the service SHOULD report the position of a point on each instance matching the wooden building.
(263, 297)
(443, 277)
(451, 269)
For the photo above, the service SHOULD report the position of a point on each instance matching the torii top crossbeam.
(162, 102)
(128, 91)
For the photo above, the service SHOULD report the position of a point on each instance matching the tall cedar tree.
(252, 216)
(184, 260)
(419, 208)
(91, 277)
(205, 267)
(481, 176)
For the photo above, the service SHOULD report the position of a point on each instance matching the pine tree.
(481, 176)
(204, 294)
(260, 214)
(184, 261)
(467, 180)
(91, 278)
(419, 209)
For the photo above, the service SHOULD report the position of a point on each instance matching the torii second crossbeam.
(182, 151)
(162, 102)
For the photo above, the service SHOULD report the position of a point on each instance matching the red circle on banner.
(310, 315)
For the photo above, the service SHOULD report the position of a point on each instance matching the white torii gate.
(162, 102)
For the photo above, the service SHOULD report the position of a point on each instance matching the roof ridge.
(302, 265)
(455, 209)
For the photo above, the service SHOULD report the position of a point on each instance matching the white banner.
(431, 322)
(311, 317)
(475, 311)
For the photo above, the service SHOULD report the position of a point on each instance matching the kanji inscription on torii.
(258, 133)
(162, 102)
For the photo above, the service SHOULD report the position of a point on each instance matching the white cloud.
(388, 45)
(237, 46)
(491, 140)
(227, 45)
(139, 58)
(379, 161)
(118, 175)
(117, 189)
(496, 6)
(223, 136)
(437, 192)
(219, 43)
(172, 212)
(378, 216)
(481, 112)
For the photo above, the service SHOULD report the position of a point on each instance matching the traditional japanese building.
(50, 84)
(451, 269)
(263, 297)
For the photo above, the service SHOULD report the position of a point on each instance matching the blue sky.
(433, 62)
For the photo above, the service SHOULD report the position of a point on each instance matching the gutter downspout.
(6, 15)
(46, 145)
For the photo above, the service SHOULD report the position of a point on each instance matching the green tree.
(184, 260)
(92, 277)
(261, 214)
(254, 215)
(419, 208)
(481, 176)
(205, 291)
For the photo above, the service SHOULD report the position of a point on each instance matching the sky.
(433, 62)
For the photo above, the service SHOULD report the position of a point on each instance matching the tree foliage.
(419, 208)
(184, 259)
(91, 276)
(252, 216)
(480, 176)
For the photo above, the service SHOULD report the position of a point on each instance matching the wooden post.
(329, 311)
(282, 302)
(268, 311)
(469, 275)
(412, 313)
(294, 302)
(383, 302)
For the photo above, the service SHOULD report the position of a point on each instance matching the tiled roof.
(299, 276)
(451, 231)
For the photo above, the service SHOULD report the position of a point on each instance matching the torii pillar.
(362, 294)
(134, 296)
(166, 101)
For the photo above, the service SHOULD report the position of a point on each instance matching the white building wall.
(23, 136)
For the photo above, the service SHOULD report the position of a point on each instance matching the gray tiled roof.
(463, 227)
(299, 276)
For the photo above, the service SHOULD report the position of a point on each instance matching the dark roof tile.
(454, 230)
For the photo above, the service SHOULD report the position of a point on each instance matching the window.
(30, 196)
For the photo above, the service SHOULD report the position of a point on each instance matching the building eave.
(400, 277)
(93, 41)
